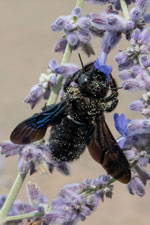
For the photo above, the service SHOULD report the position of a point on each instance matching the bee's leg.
(112, 106)
(111, 97)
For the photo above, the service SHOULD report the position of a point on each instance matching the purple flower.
(67, 69)
(10, 149)
(121, 124)
(76, 12)
(33, 158)
(35, 197)
(60, 45)
(35, 95)
(136, 105)
(136, 187)
(77, 201)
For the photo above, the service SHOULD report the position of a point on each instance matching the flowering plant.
(76, 201)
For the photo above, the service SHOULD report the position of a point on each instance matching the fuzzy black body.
(67, 140)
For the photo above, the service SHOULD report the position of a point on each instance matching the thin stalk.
(11, 197)
(125, 9)
(80, 3)
(24, 216)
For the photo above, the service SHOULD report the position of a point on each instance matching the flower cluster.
(77, 201)
(135, 142)
(33, 158)
(49, 80)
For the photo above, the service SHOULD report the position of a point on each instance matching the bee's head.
(93, 83)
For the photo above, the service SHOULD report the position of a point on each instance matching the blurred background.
(26, 44)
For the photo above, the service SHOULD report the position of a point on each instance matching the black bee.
(78, 121)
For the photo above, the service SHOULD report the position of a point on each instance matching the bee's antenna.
(81, 61)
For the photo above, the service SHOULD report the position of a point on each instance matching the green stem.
(80, 3)
(11, 197)
(24, 216)
(125, 9)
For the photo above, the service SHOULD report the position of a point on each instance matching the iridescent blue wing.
(105, 150)
(34, 128)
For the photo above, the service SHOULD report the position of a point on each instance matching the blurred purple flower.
(33, 158)
(121, 124)
(35, 197)
(35, 95)
(10, 149)
(77, 201)
(136, 186)
(60, 45)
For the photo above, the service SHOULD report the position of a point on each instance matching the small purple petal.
(53, 64)
(60, 45)
(135, 13)
(121, 124)
(104, 179)
(23, 166)
(46, 94)
(145, 60)
(35, 95)
(136, 187)
(130, 154)
(125, 74)
(59, 24)
(33, 194)
(136, 34)
(84, 23)
(72, 39)
(53, 79)
(67, 69)
(62, 167)
(110, 40)
(121, 57)
(76, 12)
(136, 105)
(10, 149)
(147, 18)
(143, 174)
(134, 85)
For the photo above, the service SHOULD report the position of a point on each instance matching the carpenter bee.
(78, 121)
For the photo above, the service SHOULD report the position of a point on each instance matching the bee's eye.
(84, 80)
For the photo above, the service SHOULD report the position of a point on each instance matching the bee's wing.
(105, 150)
(34, 128)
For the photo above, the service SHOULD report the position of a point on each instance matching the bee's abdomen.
(67, 140)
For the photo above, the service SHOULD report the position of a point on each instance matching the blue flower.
(121, 124)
